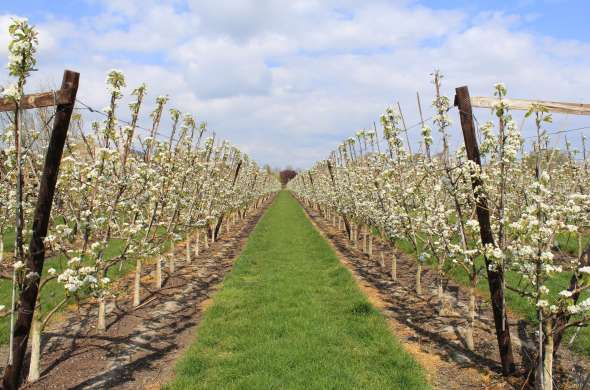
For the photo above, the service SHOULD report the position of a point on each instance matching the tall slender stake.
(13, 373)
(495, 276)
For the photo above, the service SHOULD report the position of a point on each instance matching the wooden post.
(13, 374)
(215, 234)
(495, 277)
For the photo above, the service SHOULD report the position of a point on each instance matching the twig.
(145, 303)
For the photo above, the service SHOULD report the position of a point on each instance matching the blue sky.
(557, 18)
(287, 80)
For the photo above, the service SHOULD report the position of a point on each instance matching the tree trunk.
(394, 267)
(159, 272)
(101, 323)
(439, 291)
(171, 265)
(365, 249)
(12, 313)
(137, 285)
(197, 249)
(382, 261)
(370, 249)
(471, 320)
(35, 348)
(188, 250)
(419, 279)
(548, 356)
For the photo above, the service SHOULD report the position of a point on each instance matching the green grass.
(569, 242)
(9, 237)
(290, 316)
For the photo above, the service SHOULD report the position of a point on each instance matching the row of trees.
(535, 198)
(142, 191)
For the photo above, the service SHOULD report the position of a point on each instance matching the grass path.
(289, 316)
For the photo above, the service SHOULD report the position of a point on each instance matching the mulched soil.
(140, 346)
(437, 341)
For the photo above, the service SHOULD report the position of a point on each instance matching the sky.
(287, 81)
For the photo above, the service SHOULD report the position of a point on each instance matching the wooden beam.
(524, 104)
(495, 275)
(36, 258)
(38, 100)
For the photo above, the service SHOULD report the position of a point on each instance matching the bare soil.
(437, 341)
(140, 346)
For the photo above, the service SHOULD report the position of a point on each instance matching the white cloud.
(155, 27)
(288, 80)
(221, 68)
(4, 38)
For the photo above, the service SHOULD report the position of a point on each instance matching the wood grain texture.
(525, 104)
(38, 100)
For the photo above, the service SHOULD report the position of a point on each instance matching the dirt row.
(437, 341)
(140, 346)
